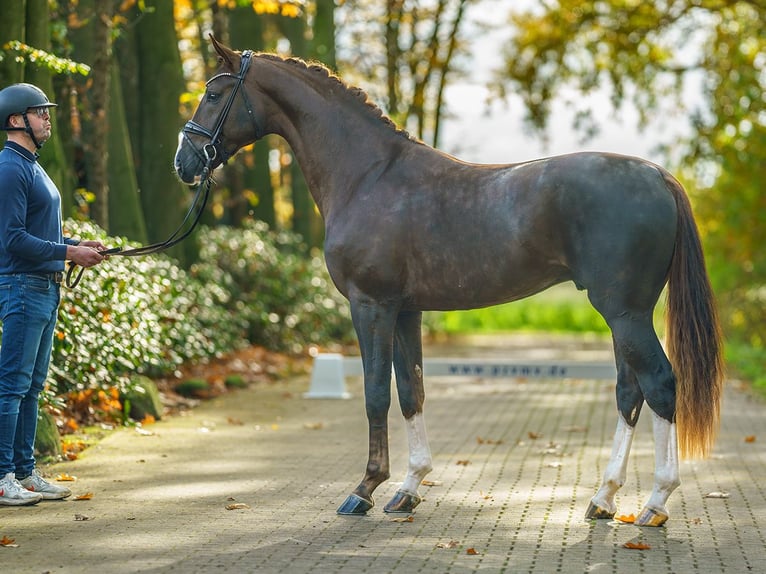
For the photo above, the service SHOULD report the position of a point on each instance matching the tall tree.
(306, 219)
(160, 85)
(53, 157)
(25, 55)
(417, 57)
(323, 34)
(12, 27)
(92, 40)
(125, 215)
(256, 193)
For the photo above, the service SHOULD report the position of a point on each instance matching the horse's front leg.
(374, 325)
(408, 365)
(666, 472)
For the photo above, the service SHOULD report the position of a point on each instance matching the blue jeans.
(28, 311)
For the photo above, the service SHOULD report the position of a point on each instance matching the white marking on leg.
(666, 471)
(420, 454)
(617, 469)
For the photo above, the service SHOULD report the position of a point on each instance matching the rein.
(210, 151)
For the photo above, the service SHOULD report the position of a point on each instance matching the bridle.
(214, 147)
(208, 154)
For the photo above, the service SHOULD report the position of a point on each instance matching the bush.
(285, 297)
(145, 315)
(141, 315)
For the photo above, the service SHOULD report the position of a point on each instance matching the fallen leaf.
(636, 546)
(431, 482)
(409, 518)
(750, 438)
(450, 544)
(534, 435)
(86, 496)
(485, 496)
(313, 426)
(81, 517)
(233, 421)
(64, 477)
(463, 462)
(481, 440)
(471, 551)
(629, 519)
(717, 495)
(8, 542)
(237, 506)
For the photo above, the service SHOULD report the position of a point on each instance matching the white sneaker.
(37, 484)
(13, 494)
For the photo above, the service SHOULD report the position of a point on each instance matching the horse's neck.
(336, 139)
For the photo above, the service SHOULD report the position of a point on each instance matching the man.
(32, 255)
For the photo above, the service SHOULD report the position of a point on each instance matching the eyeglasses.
(41, 112)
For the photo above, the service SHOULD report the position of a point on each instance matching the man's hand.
(86, 254)
(97, 245)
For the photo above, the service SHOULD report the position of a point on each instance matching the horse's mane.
(325, 74)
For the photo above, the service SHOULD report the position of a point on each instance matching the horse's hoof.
(651, 517)
(402, 502)
(355, 505)
(596, 512)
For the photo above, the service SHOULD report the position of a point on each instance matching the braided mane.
(325, 74)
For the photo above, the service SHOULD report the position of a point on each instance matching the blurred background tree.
(651, 55)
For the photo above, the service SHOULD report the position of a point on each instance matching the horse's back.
(451, 235)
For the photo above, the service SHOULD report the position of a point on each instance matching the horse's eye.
(213, 97)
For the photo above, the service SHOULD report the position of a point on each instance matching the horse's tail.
(693, 336)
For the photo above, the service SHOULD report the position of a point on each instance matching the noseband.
(214, 149)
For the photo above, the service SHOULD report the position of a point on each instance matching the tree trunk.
(52, 157)
(306, 220)
(160, 84)
(255, 196)
(323, 44)
(125, 215)
(12, 27)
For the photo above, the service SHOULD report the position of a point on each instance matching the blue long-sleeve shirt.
(31, 237)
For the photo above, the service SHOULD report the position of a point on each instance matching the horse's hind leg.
(666, 473)
(408, 366)
(639, 352)
(630, 401)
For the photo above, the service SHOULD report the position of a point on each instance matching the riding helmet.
(17, 98)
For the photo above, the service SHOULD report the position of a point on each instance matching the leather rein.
(208, 154)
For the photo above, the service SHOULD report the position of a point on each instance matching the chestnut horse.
(410, 229)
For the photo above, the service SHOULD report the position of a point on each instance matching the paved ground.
(516, 463)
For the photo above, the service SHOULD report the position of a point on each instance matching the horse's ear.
(226, 54)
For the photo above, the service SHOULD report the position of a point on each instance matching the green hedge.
(285, 297)
(146, 315)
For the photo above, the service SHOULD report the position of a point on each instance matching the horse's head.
(224, 122)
